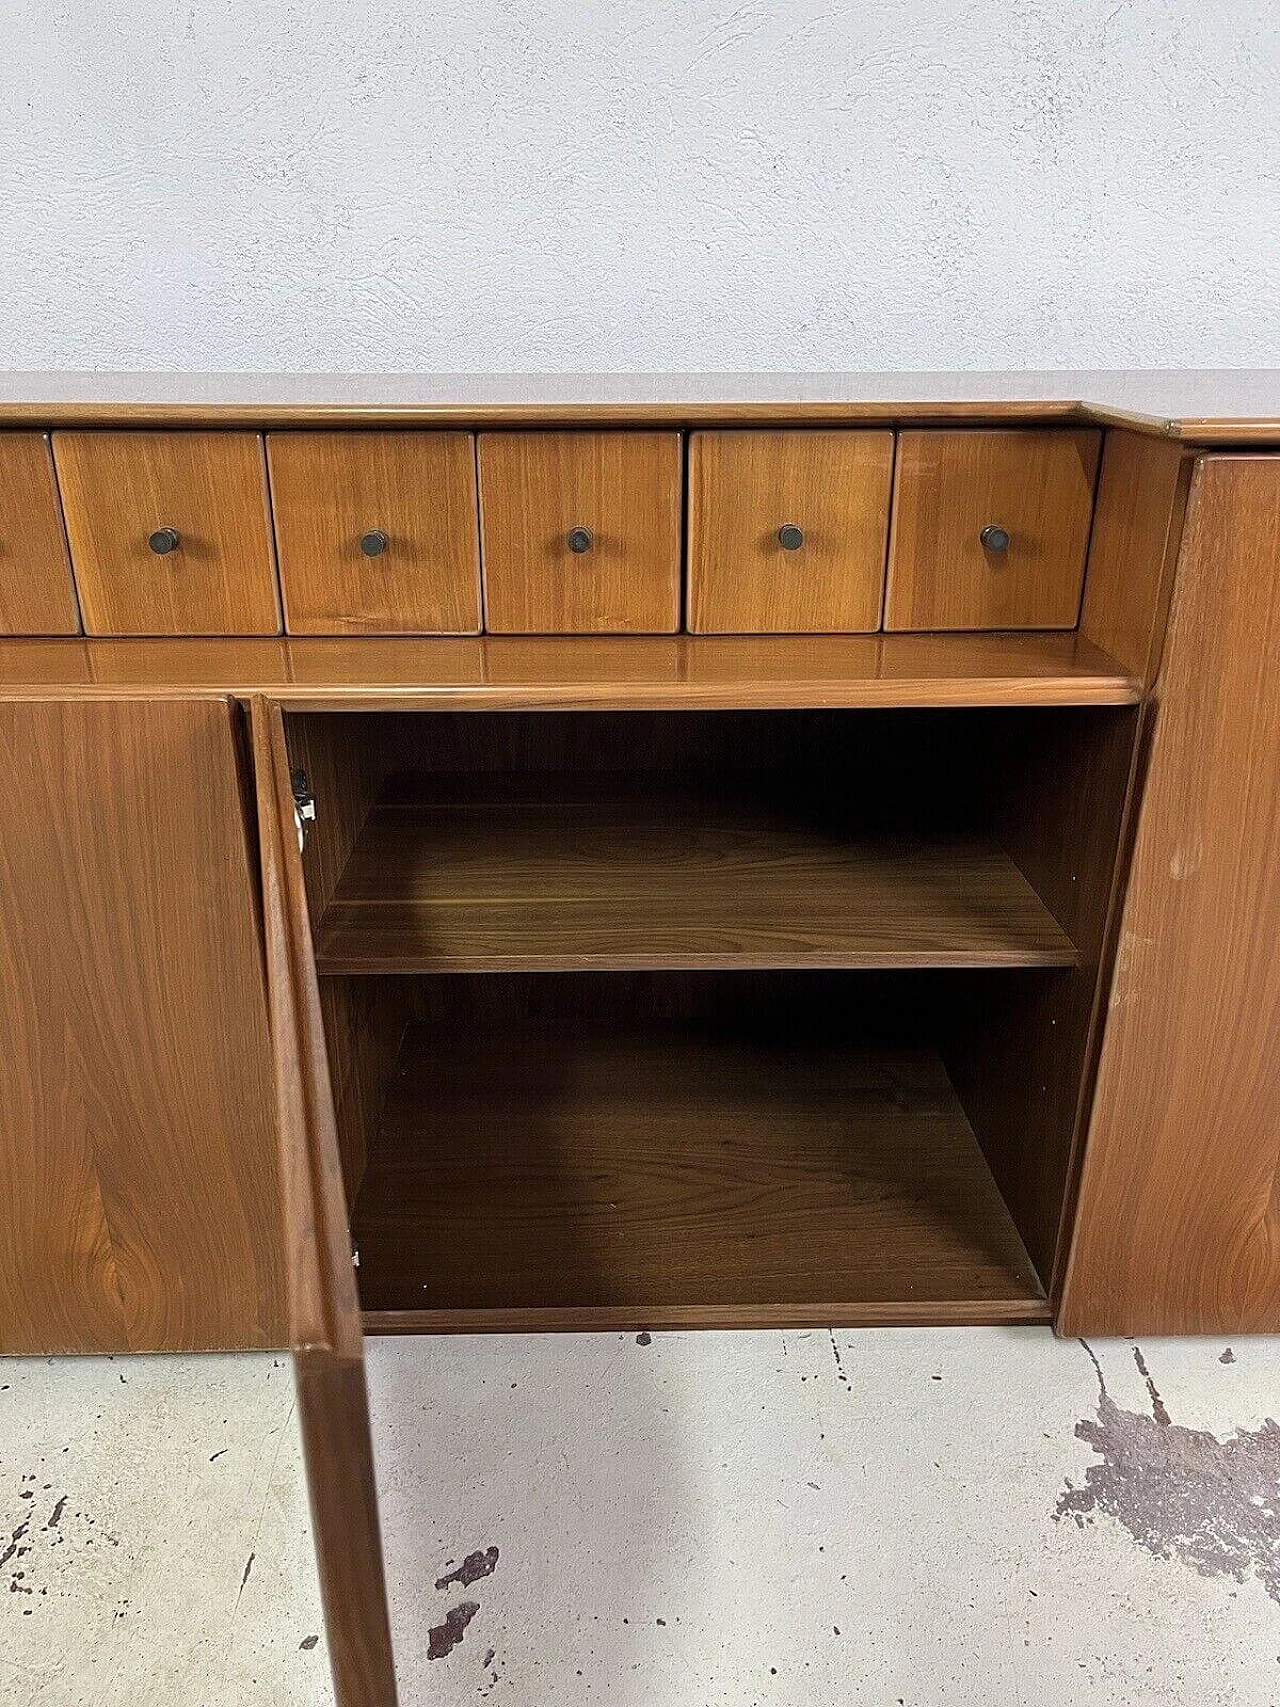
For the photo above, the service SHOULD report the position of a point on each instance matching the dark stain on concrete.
(835, 1352)
(444, 1638)
(308, 1643)
(1181, 1492)
(644, 1337)
(472, 1568)
(1228, 1356)
(14, 1540)
(1158, 1410)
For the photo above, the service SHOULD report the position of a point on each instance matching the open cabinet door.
(324, 1312)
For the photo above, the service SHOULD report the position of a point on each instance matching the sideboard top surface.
(1226, 406)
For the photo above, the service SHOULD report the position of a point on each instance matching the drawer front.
(615, 497)
(377, 533)
(170, 532)
(787, 531)
(990, 529)
(36, 592)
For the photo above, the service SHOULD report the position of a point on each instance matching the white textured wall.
(642, 185)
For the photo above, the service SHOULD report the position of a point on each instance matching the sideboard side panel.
(139, 1194)
(1178, 1229)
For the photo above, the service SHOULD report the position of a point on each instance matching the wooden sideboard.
(629, 854)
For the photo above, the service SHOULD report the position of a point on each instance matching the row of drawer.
(566, 532)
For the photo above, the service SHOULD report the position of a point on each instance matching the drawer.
(990, 529)
(580, 532)
(170, 532)
(36, 593)
(377, 533)
(787, 531)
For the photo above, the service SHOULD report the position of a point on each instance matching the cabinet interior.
(677, 1018)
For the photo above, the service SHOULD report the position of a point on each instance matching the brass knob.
(375, 543)
(164, 540)
(790, 537)
(579, 540)
(995, 538)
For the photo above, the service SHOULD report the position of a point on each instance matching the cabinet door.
(139, 1193)
(325, 1318)
(1178, 1224)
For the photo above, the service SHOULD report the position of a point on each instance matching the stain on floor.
(471, 1570)
(1182, 1493)
(785, 1519)
(445, 1637)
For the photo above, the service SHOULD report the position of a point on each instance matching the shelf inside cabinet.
(678, 1174)
(562, 873)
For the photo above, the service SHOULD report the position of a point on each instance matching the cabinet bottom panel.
(679, 1173)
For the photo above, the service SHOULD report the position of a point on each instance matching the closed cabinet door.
(36, 594)
(377, 532)
(170, 532)
(1177, 1230)
(139, 1195)
(990, 528)
(787, 531)
(580, 532)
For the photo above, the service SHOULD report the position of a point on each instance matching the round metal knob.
(995, 538)
(164, 540)
(375, 543)
(578, 540)
(790, 537)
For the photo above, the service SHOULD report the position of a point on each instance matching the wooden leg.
(333, 1407)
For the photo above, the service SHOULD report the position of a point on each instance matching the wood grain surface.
(324, 1321)
(333, 1415)
(744, 487)
(948, 486)
(673, 672)
(685, 1175)
(625, 488)
(120, 488)
(36, 591)
(331, 489)
(139, 1192)
(1137, 529)
(560, 876)
(339, 759)
(1054, 789)
(1203, 406)
(1178, 1225)
(321, 1288)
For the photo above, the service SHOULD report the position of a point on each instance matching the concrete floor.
(925, 1518)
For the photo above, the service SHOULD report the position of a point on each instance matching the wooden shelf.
(547, 876)
(557, 1177)
(587, 672)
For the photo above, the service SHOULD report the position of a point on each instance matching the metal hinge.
(304, 804)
